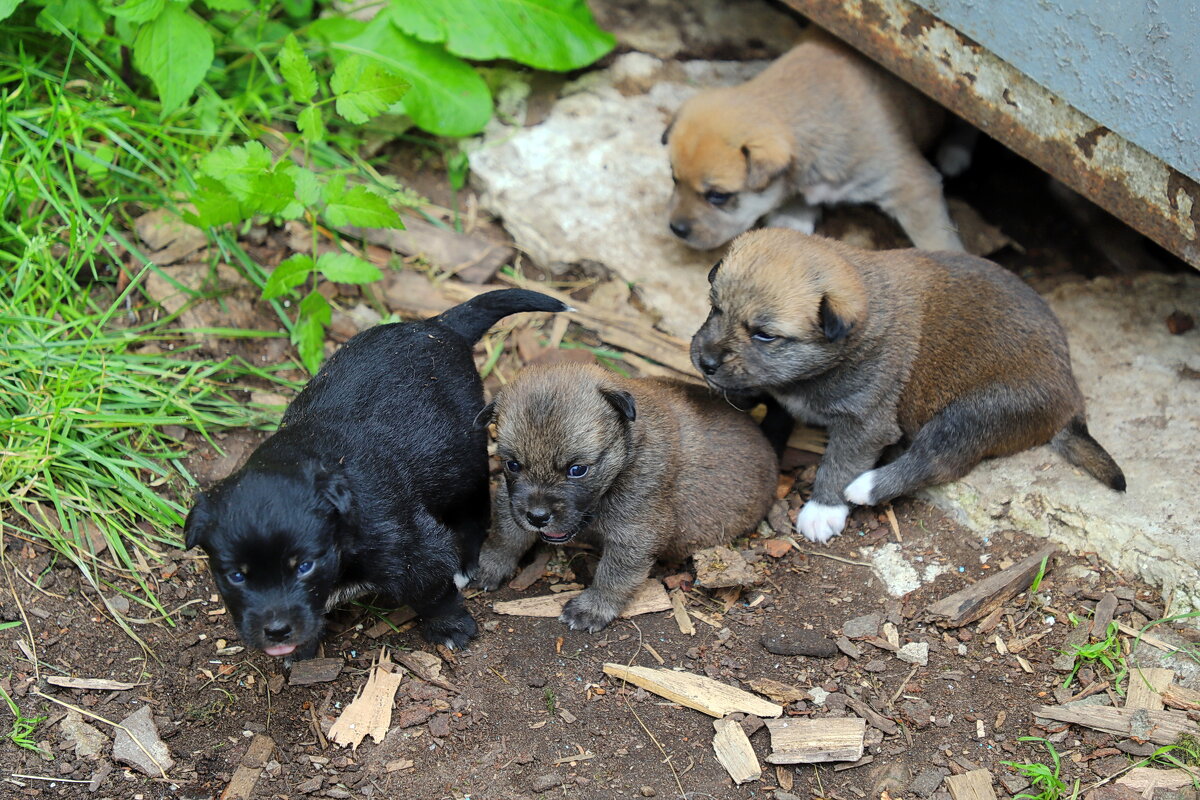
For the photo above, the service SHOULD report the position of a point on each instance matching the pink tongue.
(279, 649)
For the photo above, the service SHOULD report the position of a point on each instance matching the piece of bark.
(370, 713)
(241, 785)
(1103, 616)
(681, 615)
(876, 719)
(472, 258)
(136, 742)
(650, 597)
(811, 741)
(314, 670)
(532, 572)
(397, 618)
(777, 691)
(981, 598)
(1160, 727)
(425, 666)
(722, 567)
(100, 684)
(1177, 696)
(1145, 687)
(734, 751)
(973, 785)
(695, 691)
(1142, 779)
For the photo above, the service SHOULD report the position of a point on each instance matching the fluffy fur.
(939, 359)
(819, 125)
(375, 482)
(646, 469)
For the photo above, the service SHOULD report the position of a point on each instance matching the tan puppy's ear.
(767, 157)
(844, 303)
(667, 131)
(835, 325)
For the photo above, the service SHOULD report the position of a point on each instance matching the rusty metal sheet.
(1129, 182)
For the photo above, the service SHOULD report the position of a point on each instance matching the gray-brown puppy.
(820, 125)
(951, 357)
(645, 468)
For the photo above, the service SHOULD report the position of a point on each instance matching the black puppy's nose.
(538, 516)
(681, 229)
(277, 631)
(709, 363)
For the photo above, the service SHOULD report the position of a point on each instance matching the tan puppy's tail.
(1076, 445)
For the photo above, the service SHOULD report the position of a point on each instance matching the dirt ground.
(526, 711)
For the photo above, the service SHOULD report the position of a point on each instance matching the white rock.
(914, 653)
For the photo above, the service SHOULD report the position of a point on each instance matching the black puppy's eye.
(760, 336)
(304, 567)
(513, 466)
(716, 198)
(237, 577)
(577, 470)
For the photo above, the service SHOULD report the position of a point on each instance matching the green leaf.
(358, 206)
(546, 34)
(295, 69)
(448, 98)
(308, 188)
(288, 275)
(272, 192)
(364, 89)
(174, 51)
(136, 11)
(7, 7)
(308, 334)
(311, 124)
(247, 172)
(229, 5)
(214, 204)
(345, 268)
(83, 17)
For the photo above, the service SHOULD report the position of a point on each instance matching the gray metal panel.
(1132, 65)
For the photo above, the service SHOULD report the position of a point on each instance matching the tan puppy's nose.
(681, 228)
(709, 363)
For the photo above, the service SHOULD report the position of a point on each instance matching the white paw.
(461, 579)
(803, 219)
(953, 159)
(818, 522)
(860, 489)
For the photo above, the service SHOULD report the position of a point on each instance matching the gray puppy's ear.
(622, 401)
(485, 415)
(333, 488)
(195, 529)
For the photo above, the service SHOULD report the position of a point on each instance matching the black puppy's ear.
(485, 415)
(712, 273)
(198, 521)
(333, 487)
(622, 401)
(833, 325)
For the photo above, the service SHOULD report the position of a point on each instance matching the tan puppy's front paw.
(491, 572)
(590, 612)
(818, 522)
(861, 490)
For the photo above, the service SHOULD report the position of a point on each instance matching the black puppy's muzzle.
(278, 627)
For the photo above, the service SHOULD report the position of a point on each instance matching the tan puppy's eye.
(762, 336)
(717, 199)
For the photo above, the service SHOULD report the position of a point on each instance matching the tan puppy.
(951, 357)
(822, 125)
(646, 469)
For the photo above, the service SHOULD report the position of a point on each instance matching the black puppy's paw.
(590, 611)
(453, 630)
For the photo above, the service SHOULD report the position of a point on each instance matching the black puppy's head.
(564, 435)
(271, 541)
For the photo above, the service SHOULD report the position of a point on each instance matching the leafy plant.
(1043, 778)
(1106, 652)
(23, 727)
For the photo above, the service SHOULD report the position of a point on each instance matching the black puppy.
(375, 482)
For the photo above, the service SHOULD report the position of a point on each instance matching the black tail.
(471, 319)
(1076, 445)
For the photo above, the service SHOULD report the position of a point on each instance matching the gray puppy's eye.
(577, 470)
(760, 336)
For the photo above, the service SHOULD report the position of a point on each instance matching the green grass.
(1105, 653)
(1045, 779)
(23, 727)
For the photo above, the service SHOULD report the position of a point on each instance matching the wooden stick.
(733, 750)
(811, 741)
(981, 598)
(1160, 727)
(694, 691)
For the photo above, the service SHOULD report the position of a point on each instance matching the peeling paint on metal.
(1087, 155)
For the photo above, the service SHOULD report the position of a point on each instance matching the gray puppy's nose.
(538, 516)
(681, 229)
(709, 363)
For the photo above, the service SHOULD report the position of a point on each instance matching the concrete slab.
(1142, 386)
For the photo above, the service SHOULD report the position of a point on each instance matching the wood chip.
(649, 598)
(734, 751)
(678, 606)
(370, 713)
(1103, 616)
(425, 666)
(397, 618)
(722, 567)
(532, 572)
(982, 598)
(315, 670)
(872, 716)
(811, 741)
(1145, 687)
(694, 691)
(1142, 779)
(973, 785)
(1160, 727)
(777, 691)
(241, 785)
(99, 684)
(1179, 697)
